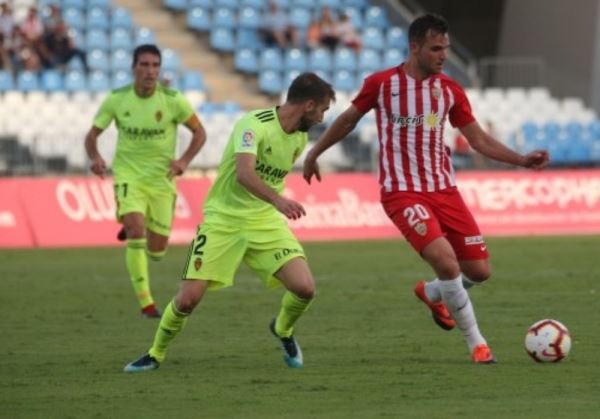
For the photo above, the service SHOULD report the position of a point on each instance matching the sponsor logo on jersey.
(432, 120)
(269, 173)
(421, 229)
(143, 133)
(474, 240)
(248, 138)
(285, 252)
(197, 263)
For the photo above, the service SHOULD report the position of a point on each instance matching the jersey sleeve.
(460, 114)
(183, 109)
(247, 134)
(367, 97)
(106, 113)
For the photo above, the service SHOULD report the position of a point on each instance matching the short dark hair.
(144, 49)
(417, 31)
(309, 86)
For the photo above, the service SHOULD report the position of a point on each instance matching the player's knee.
(306, 291)
(480, 275)
(156, 255)
(447, 268)
(186, 303)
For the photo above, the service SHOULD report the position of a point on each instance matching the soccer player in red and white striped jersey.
(418, 191)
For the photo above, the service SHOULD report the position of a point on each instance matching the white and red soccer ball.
(548, 341)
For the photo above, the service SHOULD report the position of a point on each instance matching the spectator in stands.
(32, 26)
(328, 30)
(418, 188)
(4, 55)
(347, 34)
(61, 48)
(7, 21)
(276, 30)
(22, 52)
(53, 19)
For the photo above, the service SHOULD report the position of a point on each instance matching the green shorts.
(219, 248)
(158, 206)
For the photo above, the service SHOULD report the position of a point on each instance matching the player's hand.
(176, 168)
(537, 159)
(310, 168)
(291, 209)
(98, 167)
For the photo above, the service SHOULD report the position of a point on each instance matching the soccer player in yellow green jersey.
(146, 114)
(243, 220)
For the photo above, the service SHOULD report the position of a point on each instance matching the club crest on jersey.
(421, 229)
(158, 116)
(247, 138)
(198, 263)
(436, 92)
(432, 121)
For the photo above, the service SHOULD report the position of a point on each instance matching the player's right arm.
(102, 120)
(245, 165)
(98, 165)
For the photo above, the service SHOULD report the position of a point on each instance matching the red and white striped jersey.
(410, 118)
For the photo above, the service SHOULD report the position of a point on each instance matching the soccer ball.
(548, 341)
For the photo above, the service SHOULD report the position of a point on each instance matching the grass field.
(69, 323)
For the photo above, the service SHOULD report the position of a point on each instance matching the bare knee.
(440, 255)
(189, 295)
(306, 291)
(477, 270)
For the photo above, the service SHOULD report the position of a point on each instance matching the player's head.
(429, 43)
(146, 66)
(313, 95)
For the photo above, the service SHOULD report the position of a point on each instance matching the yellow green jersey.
(147, 129)
(260, 133)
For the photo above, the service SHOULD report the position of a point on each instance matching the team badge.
(158, 116)
(269, 150)
(421, 229)
(248, 138)
(432, 121)
(436, 92)
(198, 263)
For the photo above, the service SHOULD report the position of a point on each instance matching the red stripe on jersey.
(419, 131)
(403, 134)
(380, 128)
(389, 129)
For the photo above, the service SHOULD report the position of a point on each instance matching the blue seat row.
(320, 59)
(98, 18)
(95, 81)
(261, 5)
(569, 143)
(274, 82)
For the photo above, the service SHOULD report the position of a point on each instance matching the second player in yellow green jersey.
(260, 133)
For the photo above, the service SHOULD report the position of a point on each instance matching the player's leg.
(411, 214)
(159, 220)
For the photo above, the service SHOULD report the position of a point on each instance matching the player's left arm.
(487, 145)
(177, 167)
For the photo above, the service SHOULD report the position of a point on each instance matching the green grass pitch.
(69, 323)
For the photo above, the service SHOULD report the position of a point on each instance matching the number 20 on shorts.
(415, 214)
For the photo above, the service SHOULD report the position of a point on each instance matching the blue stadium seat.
(75, 81)
(192, 80)
(258, 5)
(593, 129)
(344, 59)
(270, 82)
(344, 80)
(595, 151)
(120, 60)
(74, 18)
(245, 60)
(271, 59)
(289, 77)
(360, 4)
(551, 130)
(97, 18)
(6, 81)
(75, 63)
(320, 59)
(300, 17)
(304, 4)
(98, 81)
(396, 38)
(392, 57)
(144, 36)
(121, 18)
(294, 59)
(222, 39)
(98, 60)
(574, 130)
(334, 5)
(248, 38)
(27, 81)
(170, 60)
(223, 18)
(52, 81)
(198, 19)
(101, 4)
(171, 79)
(284, 4)
(204, 4)
(373, 38)
(355, 15)
(120, 79)
(96, 39)
(121, 39)
(249, 18)
(375, 17)
(229, 4)
(76, 4)
(177, 5)
(231, 108)
(369, 60)
(325, 75)
(530, 131)
(578, 152)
